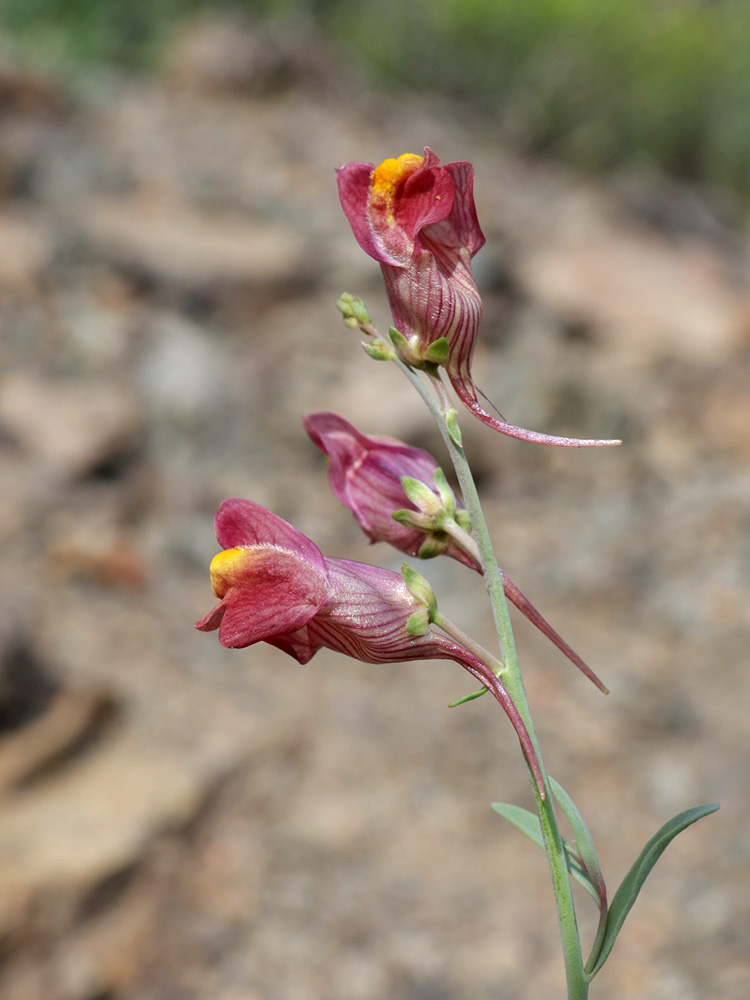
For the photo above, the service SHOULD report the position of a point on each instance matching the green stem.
(577, 979)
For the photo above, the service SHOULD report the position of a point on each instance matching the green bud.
(378, 349)
(360, 312)
(344, 304)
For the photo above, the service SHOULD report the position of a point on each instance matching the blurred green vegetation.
(597, 82)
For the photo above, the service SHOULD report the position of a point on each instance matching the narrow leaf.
(583, 841)
(528, 823)
(631, 885)
(451, 423)
(468, 697)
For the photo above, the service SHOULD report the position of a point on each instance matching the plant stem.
(577, 979)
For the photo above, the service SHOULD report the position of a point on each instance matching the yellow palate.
(388, 177)
(225, 567)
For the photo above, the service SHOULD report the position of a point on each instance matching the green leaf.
(528, 823)
(468, 697)
(631, 885)
(584, 843)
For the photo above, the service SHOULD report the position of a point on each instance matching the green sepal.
(418, 622)
(437, 352)
(446, 493)
(528, 823)
(421, 495)
(451, 423)
(432, 546)
(631, 885)
(399, 341)
(463, 519)
(405, 517)
(420, 588)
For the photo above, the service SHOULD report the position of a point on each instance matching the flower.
(274, 585)
(418, 219)
(367, 474)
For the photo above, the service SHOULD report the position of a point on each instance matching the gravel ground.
(179, 821)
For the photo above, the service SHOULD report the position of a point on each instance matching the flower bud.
(385, 484)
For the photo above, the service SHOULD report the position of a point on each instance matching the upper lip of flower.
(390, 205)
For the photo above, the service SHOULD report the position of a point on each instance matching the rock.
(179, 246)
(70, 426)
(653, 297)
(27, 251)
(224, 54)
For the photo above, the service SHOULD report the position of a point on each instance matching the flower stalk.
(577, 979)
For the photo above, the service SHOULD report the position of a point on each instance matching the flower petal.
(242, 523)
(461, 228)
(269, 591)
(213, 619)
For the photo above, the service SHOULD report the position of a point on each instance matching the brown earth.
(180, 821)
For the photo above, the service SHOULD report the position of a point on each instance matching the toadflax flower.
(417, 218)
(366, 475)
(274, 585)
(371, 475)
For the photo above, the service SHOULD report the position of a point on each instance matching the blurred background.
(179, 821)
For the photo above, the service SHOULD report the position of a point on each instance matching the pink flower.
(417, 218)
(275, 586)
(366, 475)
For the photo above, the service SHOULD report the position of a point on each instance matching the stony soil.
(179, 821)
